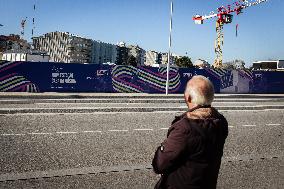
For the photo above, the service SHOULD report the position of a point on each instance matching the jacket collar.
(202, 112)
(199, 106)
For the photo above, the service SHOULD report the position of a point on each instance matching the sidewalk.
(47, 95)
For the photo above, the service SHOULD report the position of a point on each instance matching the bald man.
(190, 156)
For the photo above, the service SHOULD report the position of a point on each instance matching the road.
(46, 146)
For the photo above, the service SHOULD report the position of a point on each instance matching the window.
(280, 64)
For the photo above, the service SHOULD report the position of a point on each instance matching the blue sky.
(146, 23)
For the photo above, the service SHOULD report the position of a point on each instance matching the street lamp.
(170, 45)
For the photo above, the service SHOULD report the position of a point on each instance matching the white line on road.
(118, 130)
(92, 131)
(113, 130)
(143, 129)
(232, 102)
(107, 113)
(72, 171)
(19, 134)
(66, 132)
(7, 134)
(251, 110)
(273, 124)
(249, 125)
(12, 134)
(39, 133)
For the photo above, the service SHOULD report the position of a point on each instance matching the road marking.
(161, 112)
(107, 113)
(110, 169)
(273, 124)
(118, 130)
(232, 102)
(143, 129)
(113, 130)
(66, 132)
(251, 110)
(7, 134)
(12, 134)
(249, 125)
(92, 131)
(39, 133)
(72, 172)
(272, 109)
(19, 134)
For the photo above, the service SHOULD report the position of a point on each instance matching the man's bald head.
(199, 90)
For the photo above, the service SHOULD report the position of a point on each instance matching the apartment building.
(152, 57)
(138, 53)
(164, 58)
(65, 47)
(103, 52)
(25, 56)
(13, 42)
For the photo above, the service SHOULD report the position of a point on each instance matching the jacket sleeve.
(170, 150)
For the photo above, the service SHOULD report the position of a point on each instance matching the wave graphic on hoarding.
(8, 65)
(14, 82)
(140, 79)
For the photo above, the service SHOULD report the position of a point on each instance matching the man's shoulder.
(182, 123)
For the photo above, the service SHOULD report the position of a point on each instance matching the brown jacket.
(191, 155)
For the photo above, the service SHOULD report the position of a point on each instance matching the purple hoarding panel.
(61, 77)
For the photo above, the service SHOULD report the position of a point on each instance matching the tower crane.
(23, 24)
(224, 15)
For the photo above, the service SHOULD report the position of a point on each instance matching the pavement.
(53, 140)
(12, 103)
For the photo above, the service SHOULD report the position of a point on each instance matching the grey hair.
(199, 96)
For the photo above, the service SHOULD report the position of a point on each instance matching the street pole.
(170, 45)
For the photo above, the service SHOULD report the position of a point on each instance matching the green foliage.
(184, 62)
(131, 61)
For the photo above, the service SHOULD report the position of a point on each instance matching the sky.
(146, 23)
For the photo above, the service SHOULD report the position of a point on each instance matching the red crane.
(224, 15)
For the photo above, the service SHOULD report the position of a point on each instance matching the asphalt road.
(115, 149)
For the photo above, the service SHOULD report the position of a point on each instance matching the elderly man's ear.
(187, 100)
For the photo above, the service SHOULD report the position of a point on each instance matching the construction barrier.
(62, 77)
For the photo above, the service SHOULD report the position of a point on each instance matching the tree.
(184, 62)
(131, 61)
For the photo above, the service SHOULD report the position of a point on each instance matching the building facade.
(13, 42)
(152, 57)
(200, 63)
(122, 54)
(138, 53)
(235, 64)
(65, 47)
(164, 58)
(268, 65)
(23, 56)
(103, 52)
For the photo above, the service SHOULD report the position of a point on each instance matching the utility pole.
(170, 46)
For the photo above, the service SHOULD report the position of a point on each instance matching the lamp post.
(170, 45)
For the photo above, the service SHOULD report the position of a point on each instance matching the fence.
(61, 77)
